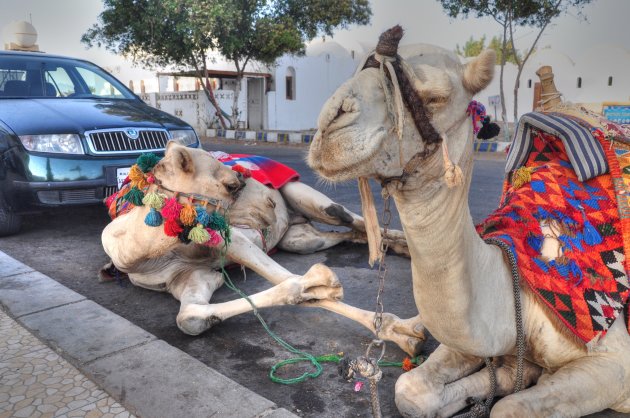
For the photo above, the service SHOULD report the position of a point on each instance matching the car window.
(98, 85)
(41, 76)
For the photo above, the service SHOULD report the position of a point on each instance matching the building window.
(290, 83)
(610, 80)
(579, 83)
(529, 83)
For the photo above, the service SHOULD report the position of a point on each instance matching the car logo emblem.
(132, 133)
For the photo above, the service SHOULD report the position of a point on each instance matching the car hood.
(57, 116)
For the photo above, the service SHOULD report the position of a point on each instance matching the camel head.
(360, 130)
(195, 171)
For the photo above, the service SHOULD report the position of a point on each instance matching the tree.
(511, 14)
(181, 32)
(473, 47)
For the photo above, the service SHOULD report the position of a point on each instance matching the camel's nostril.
(235, 186)
(340, 112)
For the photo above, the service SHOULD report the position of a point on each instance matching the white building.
(290, 95)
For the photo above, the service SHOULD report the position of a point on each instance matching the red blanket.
(587, 287)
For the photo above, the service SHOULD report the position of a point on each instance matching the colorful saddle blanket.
(586, 286)
(265, 170)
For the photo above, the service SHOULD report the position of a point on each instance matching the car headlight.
(58, 143)
(184, 136)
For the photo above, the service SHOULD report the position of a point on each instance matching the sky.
(60, 24)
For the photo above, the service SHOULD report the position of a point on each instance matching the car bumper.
(38, 182)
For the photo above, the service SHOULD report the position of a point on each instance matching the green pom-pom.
(147, 161)
(134, 196)
(153, 200)
(153, 218)
(199, 235)
(217, 222)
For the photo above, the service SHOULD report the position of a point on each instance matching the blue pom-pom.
(591, 234)
(203, 217)
(153, 218)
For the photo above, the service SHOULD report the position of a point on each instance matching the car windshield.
(44, 77)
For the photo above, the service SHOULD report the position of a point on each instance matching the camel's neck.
(459, 281)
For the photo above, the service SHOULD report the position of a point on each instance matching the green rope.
(303, 356)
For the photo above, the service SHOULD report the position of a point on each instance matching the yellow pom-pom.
(522, 176)
(154, 200)
(188, 215)
(199, 235)
(137, 177)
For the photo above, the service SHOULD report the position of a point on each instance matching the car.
(69, 132)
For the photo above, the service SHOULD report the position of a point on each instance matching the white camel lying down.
(260, 217)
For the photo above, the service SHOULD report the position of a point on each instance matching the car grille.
(117, 141)
(109, 190)
(68, 196)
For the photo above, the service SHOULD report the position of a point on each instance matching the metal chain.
(382, 267)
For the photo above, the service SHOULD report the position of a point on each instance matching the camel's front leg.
(408, 334)
(421, 391)
(319, 282)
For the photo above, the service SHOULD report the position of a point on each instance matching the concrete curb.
(307, 138)
(146, 375)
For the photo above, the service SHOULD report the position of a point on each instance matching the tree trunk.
(202, 76)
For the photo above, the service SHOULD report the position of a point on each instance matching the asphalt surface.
(65, 245)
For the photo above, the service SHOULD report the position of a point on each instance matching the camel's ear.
(479, 72)
(180, 156)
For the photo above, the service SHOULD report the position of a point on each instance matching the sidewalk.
(63, 355)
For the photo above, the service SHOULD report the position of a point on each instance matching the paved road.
(66, 246)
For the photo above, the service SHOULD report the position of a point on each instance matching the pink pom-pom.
(150, 179)
(171, 209)
(358, 385)
(215, 239)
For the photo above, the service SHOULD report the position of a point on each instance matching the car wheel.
(10, 222)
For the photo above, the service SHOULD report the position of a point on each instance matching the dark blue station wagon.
(69, 132)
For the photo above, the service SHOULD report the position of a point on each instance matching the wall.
(316, 79)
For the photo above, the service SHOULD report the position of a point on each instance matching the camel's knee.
(414, 398)
(194, 319)
(510, 407)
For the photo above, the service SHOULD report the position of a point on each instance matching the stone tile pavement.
(36, 383)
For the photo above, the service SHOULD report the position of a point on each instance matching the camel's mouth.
(335, 156)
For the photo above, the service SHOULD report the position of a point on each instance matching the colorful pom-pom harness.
(189, 222)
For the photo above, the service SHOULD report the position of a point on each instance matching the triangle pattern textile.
(586, 285)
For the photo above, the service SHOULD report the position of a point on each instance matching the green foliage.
(180, 32)
(473, 47)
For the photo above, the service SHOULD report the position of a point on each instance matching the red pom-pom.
(171, 209)
(172, 228)
(150, 179)
(244, 171)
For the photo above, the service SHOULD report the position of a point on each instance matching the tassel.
(372, 228)
(217, 222)
(153, 218)
(199, 235)
(172, 228)
(215, 239)
(137, 177)
(590, 234)
(147, 161)
(453, 175)
(171, 209)
(203, 217)
(183, 236)
(134, 196)
(153, 200)
(188, 215)
(522, 176)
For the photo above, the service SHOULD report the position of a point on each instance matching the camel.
(261, 218)
(461, 285)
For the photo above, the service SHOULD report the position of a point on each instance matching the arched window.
(290, 83)
(610, 80)
(579, 82)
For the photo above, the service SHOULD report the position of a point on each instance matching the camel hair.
(461, 285)
(261, 218)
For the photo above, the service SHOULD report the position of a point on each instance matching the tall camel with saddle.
(528, 306)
